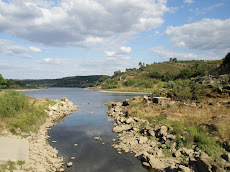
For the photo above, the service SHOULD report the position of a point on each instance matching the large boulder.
(204, 163)
(119, 129)
(161, 100)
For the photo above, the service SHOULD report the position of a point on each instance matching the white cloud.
(167, 54)
(188, 1)
(79, 23)
(202, 11)
(203, 35)
(110, 53)
(125, 50)
(53, 61)
(7, 48)
(104, 65)
(34, 49)
(119, 52)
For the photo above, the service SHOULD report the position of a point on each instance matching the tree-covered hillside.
(173, 78)
(74, 81)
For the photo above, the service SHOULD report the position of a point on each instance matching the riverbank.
(41, 155)
(119, 91)
(158, 132)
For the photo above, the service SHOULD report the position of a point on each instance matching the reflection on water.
(81, 127)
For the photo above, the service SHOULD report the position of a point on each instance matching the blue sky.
(42, 39)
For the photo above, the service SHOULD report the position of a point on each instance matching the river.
(81, 127)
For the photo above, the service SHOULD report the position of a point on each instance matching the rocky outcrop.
(149, 143)
(42, 156)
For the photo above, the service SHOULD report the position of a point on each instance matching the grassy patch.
(19, 111)
(8, 166)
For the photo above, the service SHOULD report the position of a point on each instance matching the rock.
(126, 102)
(72, 158)
(18, 130)
(143, 140)
(97, 138)
(114, 140)
(184, 169)
(226, 157)
(64, 99)
(177, 154)
(121, 128)
(129, 120)
(152, 133)
(69, 164)
(119, 152)
(146, 164)
(25, 134)
(62, 170)
(156, 163)
(171, 137)
(204, 162)
(163, 130)
(161, 100)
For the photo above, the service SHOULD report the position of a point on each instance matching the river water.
(81, 127)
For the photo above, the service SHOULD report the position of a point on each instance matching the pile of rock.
(43, 157)
(134, 134)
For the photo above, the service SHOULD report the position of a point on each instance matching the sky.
(47, 39)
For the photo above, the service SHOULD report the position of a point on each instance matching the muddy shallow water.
(81, 127)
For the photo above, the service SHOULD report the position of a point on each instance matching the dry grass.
(214, 113)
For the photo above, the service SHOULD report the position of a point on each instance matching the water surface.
(81, 127)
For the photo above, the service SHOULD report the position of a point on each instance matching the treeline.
(75, 81)
(10, 83)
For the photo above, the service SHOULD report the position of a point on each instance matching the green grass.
(17, 112)
(9, 164)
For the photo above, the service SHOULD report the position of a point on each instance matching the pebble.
(69, 164)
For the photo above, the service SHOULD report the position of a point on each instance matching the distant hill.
(74, 81)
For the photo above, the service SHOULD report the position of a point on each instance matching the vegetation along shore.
(29, 119)
(182, 126)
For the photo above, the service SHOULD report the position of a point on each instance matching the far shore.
(120, 92)
(28, 89)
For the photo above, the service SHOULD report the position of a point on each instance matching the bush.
(12, 102)
(129, 82)
(170, 85)
(146, 83)
(17, 112)
(168, 76)
(184, 74)
(155, 75)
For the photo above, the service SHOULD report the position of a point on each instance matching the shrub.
(146, 83)
(184, 74)
(168, 76)
(155, 75)
(129, 82)
(170, 85)
(12, 102)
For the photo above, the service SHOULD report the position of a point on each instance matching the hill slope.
(74, 81)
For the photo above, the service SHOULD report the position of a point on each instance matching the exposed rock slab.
(14, 149)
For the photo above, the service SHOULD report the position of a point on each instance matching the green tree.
(184, 74)
(168, 76)
(103, 78)
(2, 82)
(155, 75)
